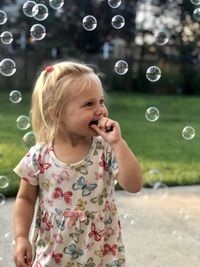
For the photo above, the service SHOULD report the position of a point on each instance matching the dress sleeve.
(111, 161)
(28, 168)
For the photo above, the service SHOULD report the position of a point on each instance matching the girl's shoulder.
(38, 150)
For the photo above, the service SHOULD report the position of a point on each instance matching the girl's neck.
(72, 150)
(74, 141)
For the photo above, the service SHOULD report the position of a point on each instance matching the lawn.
(159, 146)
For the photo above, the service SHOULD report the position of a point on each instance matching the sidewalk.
(160, 228)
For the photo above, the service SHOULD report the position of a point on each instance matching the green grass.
(158, 145)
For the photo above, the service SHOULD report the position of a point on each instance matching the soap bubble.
(195, 2)
(6, 37)
(4, 181)
(184, 213)
(118, 22)
(29, 139)
(114, 3)
(42, 12)
(153, 73)
(56, 4)
(89, 23)
(196, 14)
(15, 96)
(38, 31)
(23, 122)
(188, 133)
(153, 175)
(7, 67)
(161, 37)
(129, 219)
(9, 238)
(3, 17)
(28, 8)
(121, 67)
(152, 114)
(160, 188)
(177, 235)
(2, 199)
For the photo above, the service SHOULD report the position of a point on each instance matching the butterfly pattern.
(85, 187)
(77, 223)
(73, 251)
(89, 263)
(76, 235)
(83, 169)
(67, 196)
(96, 234)
(99, 199)
(63, 176)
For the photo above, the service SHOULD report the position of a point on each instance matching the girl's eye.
(89, 104)
(102, 102)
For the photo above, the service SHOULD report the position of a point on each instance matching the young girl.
(72, 170)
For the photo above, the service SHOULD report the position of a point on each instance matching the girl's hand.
(23, 252)
(108, 129)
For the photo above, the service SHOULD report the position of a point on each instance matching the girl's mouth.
(95, 122)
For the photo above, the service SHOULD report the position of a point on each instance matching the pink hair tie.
(49, 68)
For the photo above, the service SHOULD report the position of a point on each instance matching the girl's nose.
(100, 110)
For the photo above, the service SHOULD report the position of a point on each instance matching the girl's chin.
(94, 133)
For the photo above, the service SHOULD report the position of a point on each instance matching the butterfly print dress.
(76, 224)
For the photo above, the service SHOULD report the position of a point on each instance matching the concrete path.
(161, 228)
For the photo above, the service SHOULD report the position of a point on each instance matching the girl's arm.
(130, 173)
(23, 215)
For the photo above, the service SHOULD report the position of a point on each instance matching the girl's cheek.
(106, 113)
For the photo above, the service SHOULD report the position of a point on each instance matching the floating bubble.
(152, 114)
(15, 96)
(153, 73)
(161, 37)
(121, 67)
(29, 139)
(28, 8)
(4, 181)
(153, 175)
(128, 219)
(6, 37)
(2, 199)
(56, 4)
(9, 238)
(118, 22)
(161, 189)
(188, 133)
(3, 17)
(42, 12)
(38, 31)
(114, 3)
(23, 122)
(89, 23)
(7, 67)
(176, 235)
(184, 214)
(195, 2)
(196, 14)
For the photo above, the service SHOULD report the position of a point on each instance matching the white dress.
(77, 224)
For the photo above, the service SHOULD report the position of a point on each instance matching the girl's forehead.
(88, 90)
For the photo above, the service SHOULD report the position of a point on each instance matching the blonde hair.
(52, 90)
